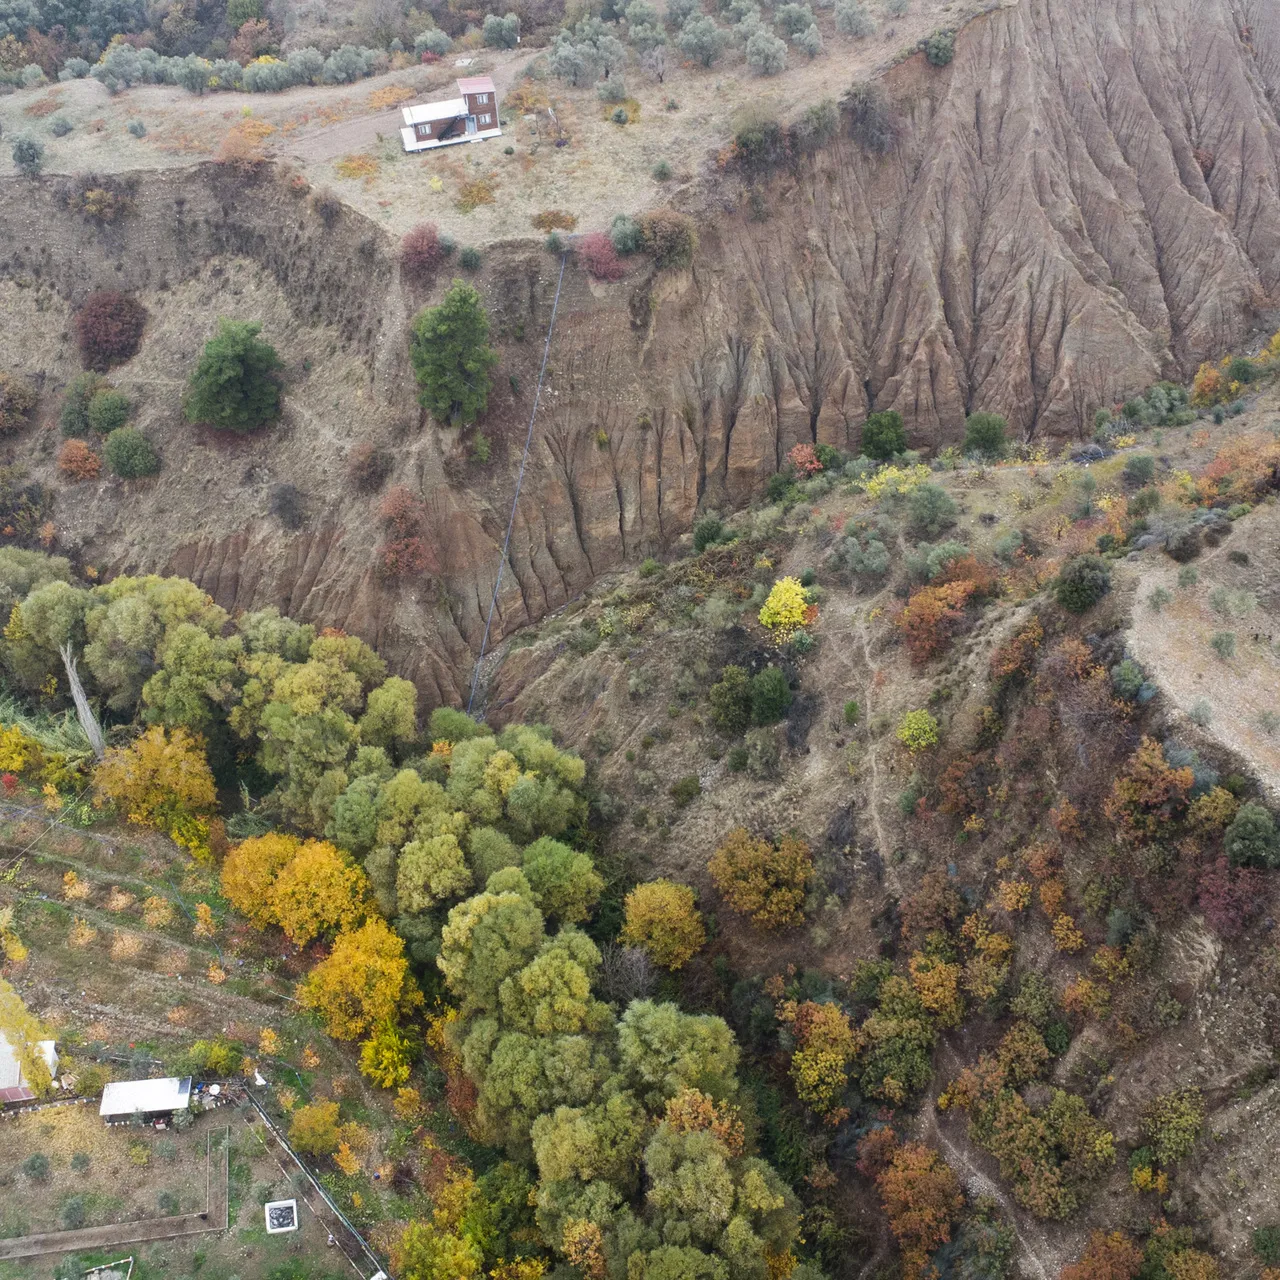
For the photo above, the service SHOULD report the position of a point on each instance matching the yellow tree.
(23, 1030)
(249, 871)
(161, 779)
(761, 881)
(662, 920)
(318, 889)
(786, 610)
(362, 983)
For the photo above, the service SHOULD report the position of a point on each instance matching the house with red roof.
(472, 115)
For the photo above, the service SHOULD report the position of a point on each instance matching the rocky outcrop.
(1083, 201)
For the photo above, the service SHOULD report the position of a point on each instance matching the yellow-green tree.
(362, 983)
(662, 920)
(24, 1031)
(759, 880)
(786, 609)
(249, 871)
(314, 1128)
(384, 1057)
(317, 890)
(161, 779)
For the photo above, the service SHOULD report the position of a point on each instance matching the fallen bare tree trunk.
(84, 712)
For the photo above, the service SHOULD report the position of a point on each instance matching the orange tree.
(319, 889)
(1110, 1256)
(250, 869)
(763, 881)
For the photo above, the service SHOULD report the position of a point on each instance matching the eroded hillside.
(1083, 200)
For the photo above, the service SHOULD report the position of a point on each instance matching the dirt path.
(120, 1234)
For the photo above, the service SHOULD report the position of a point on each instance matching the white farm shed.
(147, 1099)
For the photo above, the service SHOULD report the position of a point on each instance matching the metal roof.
(475, 84)
(435, 111)
(126, 1097)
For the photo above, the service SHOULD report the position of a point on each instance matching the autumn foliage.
(596, 252)
(1110, 1256)
(403, 553)
(761, 880)
(662, 920)
(77, 461)
(109, 329)
(306, 887)
(421, 251)
(919, 1193)
(1149, 796)
(159, 780)
(932, 617)
(362, 983)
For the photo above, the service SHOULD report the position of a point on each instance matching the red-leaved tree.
(421, 251)
(109, 329)
(597, 254)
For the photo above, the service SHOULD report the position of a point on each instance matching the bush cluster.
(109, 329)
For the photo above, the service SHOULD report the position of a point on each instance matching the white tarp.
(11, 1072)
(128, 1097)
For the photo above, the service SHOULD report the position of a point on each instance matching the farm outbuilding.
(145, 1099)
(472, 115)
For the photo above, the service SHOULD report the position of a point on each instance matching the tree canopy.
(451, 356)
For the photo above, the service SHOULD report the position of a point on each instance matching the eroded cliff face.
(1083, 201)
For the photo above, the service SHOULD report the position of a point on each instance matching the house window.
(484, 119)
(482, 97)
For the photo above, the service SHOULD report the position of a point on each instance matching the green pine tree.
(233, 386)
(452, 357)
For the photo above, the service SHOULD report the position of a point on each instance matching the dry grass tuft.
(471, 195)
(358, 166)
(126, 947)
(554, 220)
(391, 95)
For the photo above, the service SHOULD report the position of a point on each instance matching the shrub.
(1266, 1245)
(759, 880)
(1109, 1257)
(932, 616)
(918, 731)
(663, 921)
(234, 386)
(686, 790)
(368, 466)
(17, 399)
(60, 126)
(77, 461)
(619, 115)
(786, 610)
(1172, 1123)
(28, 157)
(36, 1167)
(137, 129)
(1223, 643)
(852, 712)
(661, 172)
(289, 505)
(501, 33)
(108, 411)
(109, 329)
(940, 47)
(314, 1129)
(1140, 469)
(669, 238)
(625, 233)
(1159, 597)
(1127, 678)
(883, 435)
(872, 127)
(793, 18)
(1200, 712)
(770, 696)
(808, 41)
(433, 41)
(469, 258)
(852, 19)
(1082, 583)
(706, 533)
(731, 701)
(596, 252)
(1251, 840)
(701, 39)
(930, 510)
(74, 416)
(130, 454)
(766, 54)
(984, 434)
(421, 250)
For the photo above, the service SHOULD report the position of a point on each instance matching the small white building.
(146, 1099)
(14, 1086)
(472, 115)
